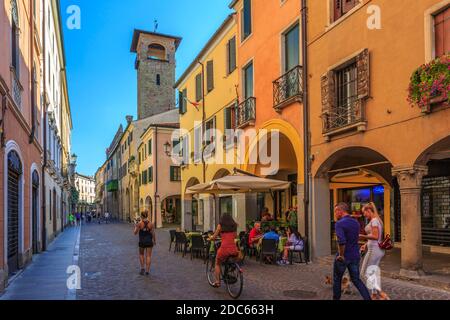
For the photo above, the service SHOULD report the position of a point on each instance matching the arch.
(437, 151)
(350, 158)
(192, 182)
(13, 157)
(221, 173)
(156, 51)
(35, 206)
(149, 205)
(285, 129)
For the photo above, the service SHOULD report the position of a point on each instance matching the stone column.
(186, 214)
(320, 223)
(410, 181)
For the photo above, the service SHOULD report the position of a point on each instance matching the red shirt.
(253, 234)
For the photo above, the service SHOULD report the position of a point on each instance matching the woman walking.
(374, 235)
(147, 240)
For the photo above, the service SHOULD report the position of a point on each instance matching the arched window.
(14, 206)
(156, 51)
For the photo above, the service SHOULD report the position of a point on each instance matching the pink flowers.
(430, 81)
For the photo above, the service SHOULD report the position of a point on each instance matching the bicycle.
(231, 274)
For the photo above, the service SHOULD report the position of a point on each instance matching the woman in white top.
(370, 269)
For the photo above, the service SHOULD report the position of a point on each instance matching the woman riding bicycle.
(227, 229)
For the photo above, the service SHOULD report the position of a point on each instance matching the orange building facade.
(270, 95)
(368, 142)
(20, 160)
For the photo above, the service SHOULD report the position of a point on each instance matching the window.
(175, 174)
(210, 127)
(229, 123)
(210, 75)
(344, 91)
(341, 7)
(150, 175)
(246, 19)
(15, 55)
(175, 143)
(197, 144)
(150, 147)
(158, 79)
(248, 81)
(144, 177)
(198, 87)
(442, 32)
(292, 48)
(182, 101)
(231, 55)
(156, 51)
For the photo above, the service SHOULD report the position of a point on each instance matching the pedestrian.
(371, 263)
(78, 218)
(348, 256)
(71, 219)
(147, 241)
(99, 217)
(106, 217)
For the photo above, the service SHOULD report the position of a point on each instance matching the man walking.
(348, 256)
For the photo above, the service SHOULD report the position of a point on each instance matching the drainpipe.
(33, 93)
(44, 136)
(306, 131)
(155, 171)
(203, 120)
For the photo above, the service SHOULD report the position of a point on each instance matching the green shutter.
(171, 174)
(150, 145)
(180, 102)
(150, 174)
(210, 75)
(198, 87)
(232, 55)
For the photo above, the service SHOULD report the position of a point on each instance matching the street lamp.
(167, 146)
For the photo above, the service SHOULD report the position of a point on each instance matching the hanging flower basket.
(430, 84)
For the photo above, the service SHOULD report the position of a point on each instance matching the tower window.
(156, 51)
(158, 79)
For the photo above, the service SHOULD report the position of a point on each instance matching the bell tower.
(155, 65)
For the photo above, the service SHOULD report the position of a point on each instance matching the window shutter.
(363, 66)
(150, 147)
(198, 87)
(442, 32)
(328, 96)
(231, 49)
(172, 174)
(348, 5)
(150, 174)
(337, 9)
(210, 75)
(227, 117)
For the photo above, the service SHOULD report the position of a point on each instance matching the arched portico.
(191, 217)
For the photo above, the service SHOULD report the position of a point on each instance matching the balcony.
(246, 113)
(288, 88)
(344, 118)
(16, 88)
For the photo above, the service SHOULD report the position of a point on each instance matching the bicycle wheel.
(234, 279)
(210, 266)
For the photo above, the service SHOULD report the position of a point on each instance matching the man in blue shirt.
(348, 256)
(272, 235)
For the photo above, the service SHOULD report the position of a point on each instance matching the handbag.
(387, 243)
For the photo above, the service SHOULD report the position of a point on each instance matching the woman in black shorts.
(147, 240)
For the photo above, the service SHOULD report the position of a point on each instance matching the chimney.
(129, 119)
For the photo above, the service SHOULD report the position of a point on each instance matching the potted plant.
(430, 84)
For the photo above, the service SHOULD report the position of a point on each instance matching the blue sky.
(100, 66)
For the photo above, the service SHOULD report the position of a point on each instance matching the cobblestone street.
(109, 264)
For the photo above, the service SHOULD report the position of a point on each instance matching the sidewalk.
(45, 278)
(436, 267)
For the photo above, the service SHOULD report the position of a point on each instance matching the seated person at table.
(266, 216)
(255, 235)
(272, 234)
(295, 242)
(227, 230)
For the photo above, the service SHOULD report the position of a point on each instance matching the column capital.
(410, 177)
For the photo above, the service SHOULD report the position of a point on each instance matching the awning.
(238, 183)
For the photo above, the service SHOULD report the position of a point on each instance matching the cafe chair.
(299, 253)
(198, 246)
(172, 238)
(269, 248)
(181, 243)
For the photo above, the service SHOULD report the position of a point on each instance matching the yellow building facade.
(215, 71)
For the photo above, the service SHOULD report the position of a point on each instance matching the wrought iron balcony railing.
(246, 113)
(16, 88)
(288, 88)
(347, 116)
